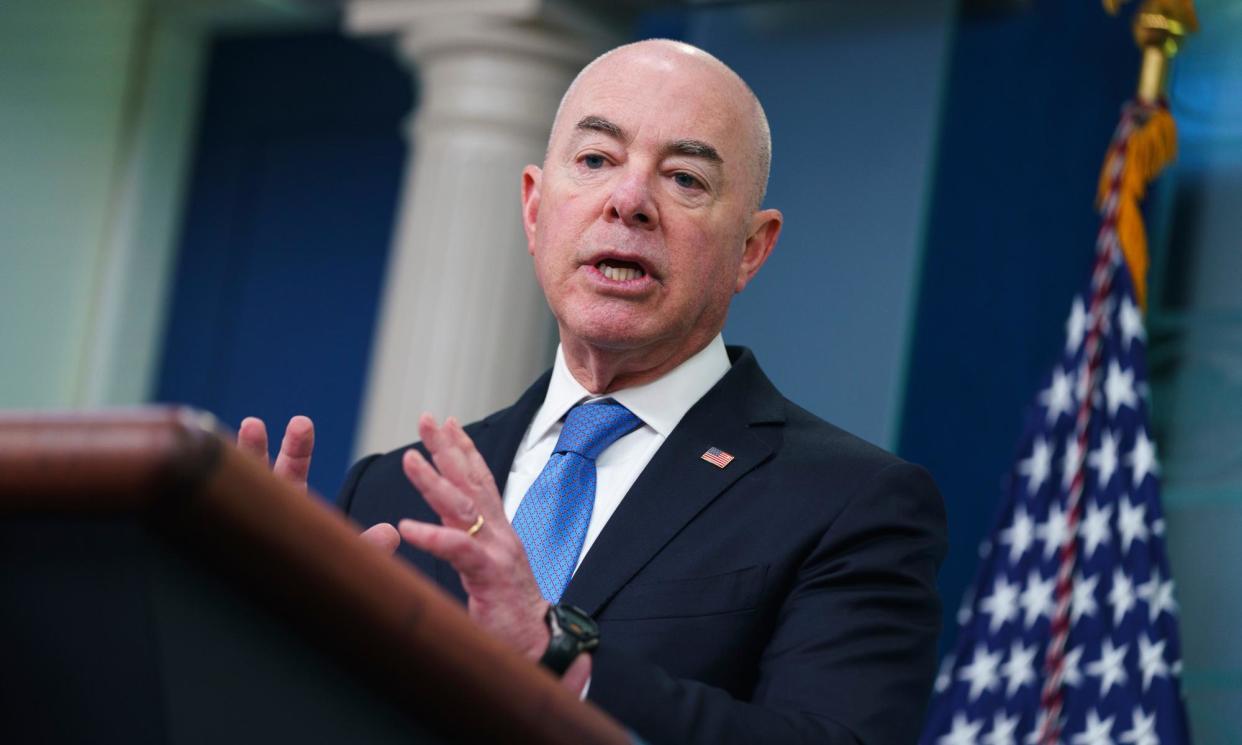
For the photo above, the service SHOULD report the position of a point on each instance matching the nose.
(631, 202)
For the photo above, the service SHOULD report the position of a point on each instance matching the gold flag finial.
(1159, 26)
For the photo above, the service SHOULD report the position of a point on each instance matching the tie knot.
(590, 428)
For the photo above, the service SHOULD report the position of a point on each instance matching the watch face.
(576, 622)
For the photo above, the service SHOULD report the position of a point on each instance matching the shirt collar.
(660, 404)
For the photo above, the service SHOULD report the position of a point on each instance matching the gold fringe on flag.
(1159, 26)
(1148, 150)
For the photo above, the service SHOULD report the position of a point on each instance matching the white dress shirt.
(660, 404)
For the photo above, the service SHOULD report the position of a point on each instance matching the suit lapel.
(677, 484)
(497, 437)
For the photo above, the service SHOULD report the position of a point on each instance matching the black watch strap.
(572, 633)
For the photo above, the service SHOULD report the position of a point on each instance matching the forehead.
(659, 98)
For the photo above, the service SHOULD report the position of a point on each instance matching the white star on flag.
(1131, 320)
(1019, 669)
(1082, 602)
(1075, 325)
(1110, 668)
(1143, 729)
(1119, 388)
(1072, 673)
(1097, 732)
(1002, 730)
(1121, 596)
(1037, 467)
(1095, 528)
(1131, 522)
(1037, 598)
(1019, 536)
(1054, 531)
(964, 732)
(1059, 396)
(981, 672)
(1142, 458)
(1151, 660)
(1104, 459)
(1001, 605)
(1158, 594)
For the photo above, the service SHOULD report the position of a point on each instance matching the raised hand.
(475, 537)
(293, 465)
(294, 459)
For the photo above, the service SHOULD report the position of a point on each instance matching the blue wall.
(286, 236)
(1032, 100)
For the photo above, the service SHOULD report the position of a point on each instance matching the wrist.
(541, 636)
(571, 633)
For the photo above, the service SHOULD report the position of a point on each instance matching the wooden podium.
(159, 586)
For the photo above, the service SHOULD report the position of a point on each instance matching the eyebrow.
(690, 148)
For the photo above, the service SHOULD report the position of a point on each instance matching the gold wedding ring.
(478, 525)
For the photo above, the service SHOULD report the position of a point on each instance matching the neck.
(602, 370)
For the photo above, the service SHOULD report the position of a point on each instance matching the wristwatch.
(573, 632)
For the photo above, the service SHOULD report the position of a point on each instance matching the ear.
(532, 179)
(765, 227)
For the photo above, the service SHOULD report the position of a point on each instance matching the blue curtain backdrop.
(291, 207)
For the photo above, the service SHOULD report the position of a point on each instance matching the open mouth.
(620, 271)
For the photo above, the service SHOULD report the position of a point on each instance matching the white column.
(463, 326)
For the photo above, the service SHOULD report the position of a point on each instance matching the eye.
(687, 181)
(594, 161)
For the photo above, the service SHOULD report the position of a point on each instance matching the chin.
(612, 332)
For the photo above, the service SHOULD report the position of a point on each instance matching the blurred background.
(272, 207)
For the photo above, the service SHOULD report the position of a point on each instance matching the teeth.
(617, 273)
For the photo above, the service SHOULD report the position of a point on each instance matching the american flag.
(1069, 633)
(717, 457)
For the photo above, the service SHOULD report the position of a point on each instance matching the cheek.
(710, 260)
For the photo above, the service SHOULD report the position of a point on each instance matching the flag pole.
(1159, 28)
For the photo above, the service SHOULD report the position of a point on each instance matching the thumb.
(578, 675)
(383, 537)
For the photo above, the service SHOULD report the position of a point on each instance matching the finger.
(455, 508)
(430, 433)
(293, 461)
(477, 467)
(252, 438)
(487, 494)
(480, 472)
(448, 544)
(382, 536)
(445, 453)
(579, 672)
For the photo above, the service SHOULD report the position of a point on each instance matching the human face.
(641, 223)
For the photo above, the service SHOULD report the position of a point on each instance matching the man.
(756, 574)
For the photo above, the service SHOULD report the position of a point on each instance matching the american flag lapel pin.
(717, 457)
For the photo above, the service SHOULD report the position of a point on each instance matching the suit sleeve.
(852, 656)
(345, 497)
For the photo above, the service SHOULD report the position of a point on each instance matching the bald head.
(734, 100)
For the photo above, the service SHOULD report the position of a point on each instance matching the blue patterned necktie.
(553, 516)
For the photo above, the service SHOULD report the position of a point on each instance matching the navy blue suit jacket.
(788, 597)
